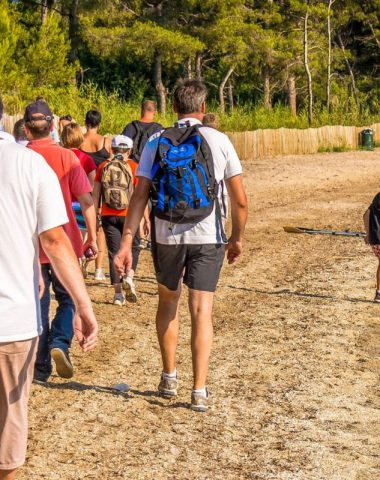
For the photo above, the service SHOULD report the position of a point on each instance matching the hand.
(123, 260)
(234, 250)
(146, 228)
(86, 328)
(41, 285)
(93, 246)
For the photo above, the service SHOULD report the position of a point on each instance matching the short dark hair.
(189, 96)
(69, 118)
(93, 118)
(1, 108)
(148, 106)
(39, 128)
(18, 130)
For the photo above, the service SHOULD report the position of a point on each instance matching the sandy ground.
(294, 373)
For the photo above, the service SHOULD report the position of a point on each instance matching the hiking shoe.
(377, 297)
(199, 403)
(99, 275)
(62, 361)
(168, 387)
(130, 289)
(119, 299)
(40, 378)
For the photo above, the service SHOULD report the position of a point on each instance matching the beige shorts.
(16, 376)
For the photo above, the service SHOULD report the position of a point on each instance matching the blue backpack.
(184, 188)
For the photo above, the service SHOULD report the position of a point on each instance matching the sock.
(170, 375)
(201, 391)
(98, 270)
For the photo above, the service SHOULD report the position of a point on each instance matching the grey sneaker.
(119, 299)
(168, 387)
(199, 403)
(63, 363)
(130, 290)
(377, 297)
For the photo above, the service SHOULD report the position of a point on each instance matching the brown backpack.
(117, 184)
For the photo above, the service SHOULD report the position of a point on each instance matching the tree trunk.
(221, 89)
(198, 66)
(306, 65)
(230, 92)
(160, 89)
(373, 33)
(73, 31)
(189, 69)
(354, 90)
(44, 11)
(328, 80)
(292, 94)
(267, 91)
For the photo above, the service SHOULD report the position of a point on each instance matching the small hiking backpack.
(142, 136)
(374, 221)
(117, 183)
(184, 188)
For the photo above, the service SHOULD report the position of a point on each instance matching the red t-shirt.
(73, 181)
(86, 161)
(107, 211)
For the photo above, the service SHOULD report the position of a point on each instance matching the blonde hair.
(72, 136)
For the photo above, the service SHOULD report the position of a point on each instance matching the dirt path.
(294, 374)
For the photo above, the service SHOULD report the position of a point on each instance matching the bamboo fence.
(258, 144)
(292, 141)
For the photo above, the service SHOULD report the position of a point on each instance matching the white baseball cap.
(122, 141)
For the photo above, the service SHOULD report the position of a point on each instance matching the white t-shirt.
(30, 203)
(6, 137)
(226, 165)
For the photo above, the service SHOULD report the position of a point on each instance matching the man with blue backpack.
(183, 170)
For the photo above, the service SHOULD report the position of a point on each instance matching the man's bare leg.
(200, 305)
(101, 241)
(167, 325)
(7, 474)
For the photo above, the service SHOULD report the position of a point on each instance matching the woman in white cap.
(115, 181)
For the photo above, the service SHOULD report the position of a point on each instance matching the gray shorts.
(199, 265)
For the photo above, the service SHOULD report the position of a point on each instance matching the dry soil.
(294, 372)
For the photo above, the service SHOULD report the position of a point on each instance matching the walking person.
(99, 148)
(55, 339)
(114, 185)
(141, 130)
(185, 167)
(33, 210)
(371, 220)
(72, 138)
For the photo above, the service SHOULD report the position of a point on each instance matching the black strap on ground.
(312, 231)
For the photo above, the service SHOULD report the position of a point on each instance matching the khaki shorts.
(16, 376)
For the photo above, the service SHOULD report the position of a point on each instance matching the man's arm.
(58, 248)
(139, 199)
(239, 213)
(96, 194)
(88, 210)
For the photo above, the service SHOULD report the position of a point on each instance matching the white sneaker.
(99, 275)
(130, 289)
(119, 299)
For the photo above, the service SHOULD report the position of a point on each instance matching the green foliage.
(117, 44)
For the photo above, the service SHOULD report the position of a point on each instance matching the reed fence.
(292, 141)
(258, 144)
